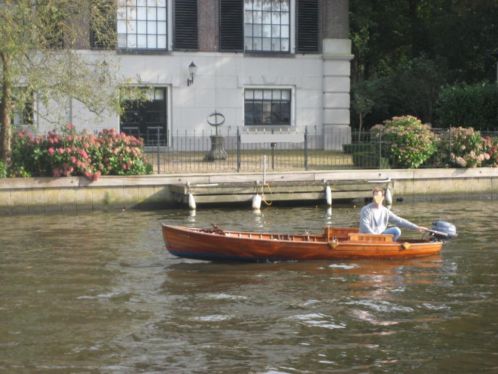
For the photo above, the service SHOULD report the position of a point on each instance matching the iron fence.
(251, 150)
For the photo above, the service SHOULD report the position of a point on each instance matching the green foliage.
(3, 170)
(409, 49)
(370, 160)
(469, 105)
(39, 42)
(359, 147)
(411, 87)
(462, 147)
(407, 142)
(71, 154)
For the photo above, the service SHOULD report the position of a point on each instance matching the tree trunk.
(5, 111)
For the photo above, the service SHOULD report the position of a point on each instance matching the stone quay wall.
(31, 195)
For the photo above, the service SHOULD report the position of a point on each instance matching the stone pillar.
(336, 51)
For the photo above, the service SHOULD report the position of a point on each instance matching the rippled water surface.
(97, 292)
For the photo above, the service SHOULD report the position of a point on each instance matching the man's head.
(378, 195)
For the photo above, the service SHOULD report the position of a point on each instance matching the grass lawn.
(251, 160)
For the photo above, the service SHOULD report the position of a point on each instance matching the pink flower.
(83, 154)
(96, 175)
(461, 162)
(51, 151)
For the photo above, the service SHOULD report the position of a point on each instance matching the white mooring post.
(389, 197)
(256, 202)
(191, 202)
(264, 170)
(328, 195)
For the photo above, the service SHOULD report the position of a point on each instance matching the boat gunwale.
(347, 242)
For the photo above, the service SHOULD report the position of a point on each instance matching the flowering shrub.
(408, 143)
(463, 147)
(491, 151)
(71, 154)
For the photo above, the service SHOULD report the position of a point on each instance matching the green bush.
(369, 160)
(406, 141)
(78, 154)
(3, 170)
(469, 106)
(359, 147)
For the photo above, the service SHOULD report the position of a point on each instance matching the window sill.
(267, 128)
(268, 54)
(127, 51)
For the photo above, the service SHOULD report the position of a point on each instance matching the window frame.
(28, 110)
(292, 115)
(146, 50)
(292, 34)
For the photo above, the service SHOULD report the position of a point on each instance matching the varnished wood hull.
(259, 247)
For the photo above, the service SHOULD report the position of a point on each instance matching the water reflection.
(98, 292)
(328, 217)
(191, 216)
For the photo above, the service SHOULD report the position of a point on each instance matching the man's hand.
(422, 229)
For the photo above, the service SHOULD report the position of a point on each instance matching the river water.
(96, 292)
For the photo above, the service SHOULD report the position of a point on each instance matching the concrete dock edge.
(19, 195)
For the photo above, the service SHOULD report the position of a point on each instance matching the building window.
(147, 118)
(23, 107)
(267, 25)
(142, 24)
(267, 107)
(23, 116)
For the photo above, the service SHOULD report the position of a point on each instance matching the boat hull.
(261, 247)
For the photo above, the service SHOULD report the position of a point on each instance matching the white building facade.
(266, 65)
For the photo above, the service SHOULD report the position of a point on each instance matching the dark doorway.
(147, 119)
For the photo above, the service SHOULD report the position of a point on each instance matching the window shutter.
(231, 25)
(308, 26)
(186, 35)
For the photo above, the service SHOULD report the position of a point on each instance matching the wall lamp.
(192, 69)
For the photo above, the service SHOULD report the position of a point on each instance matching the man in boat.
(375, 217)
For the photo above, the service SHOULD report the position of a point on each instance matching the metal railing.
(250, 150)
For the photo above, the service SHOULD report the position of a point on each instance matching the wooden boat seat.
(338, 233)
(370, 238)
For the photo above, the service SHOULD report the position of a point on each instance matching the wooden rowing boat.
(215, 244)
